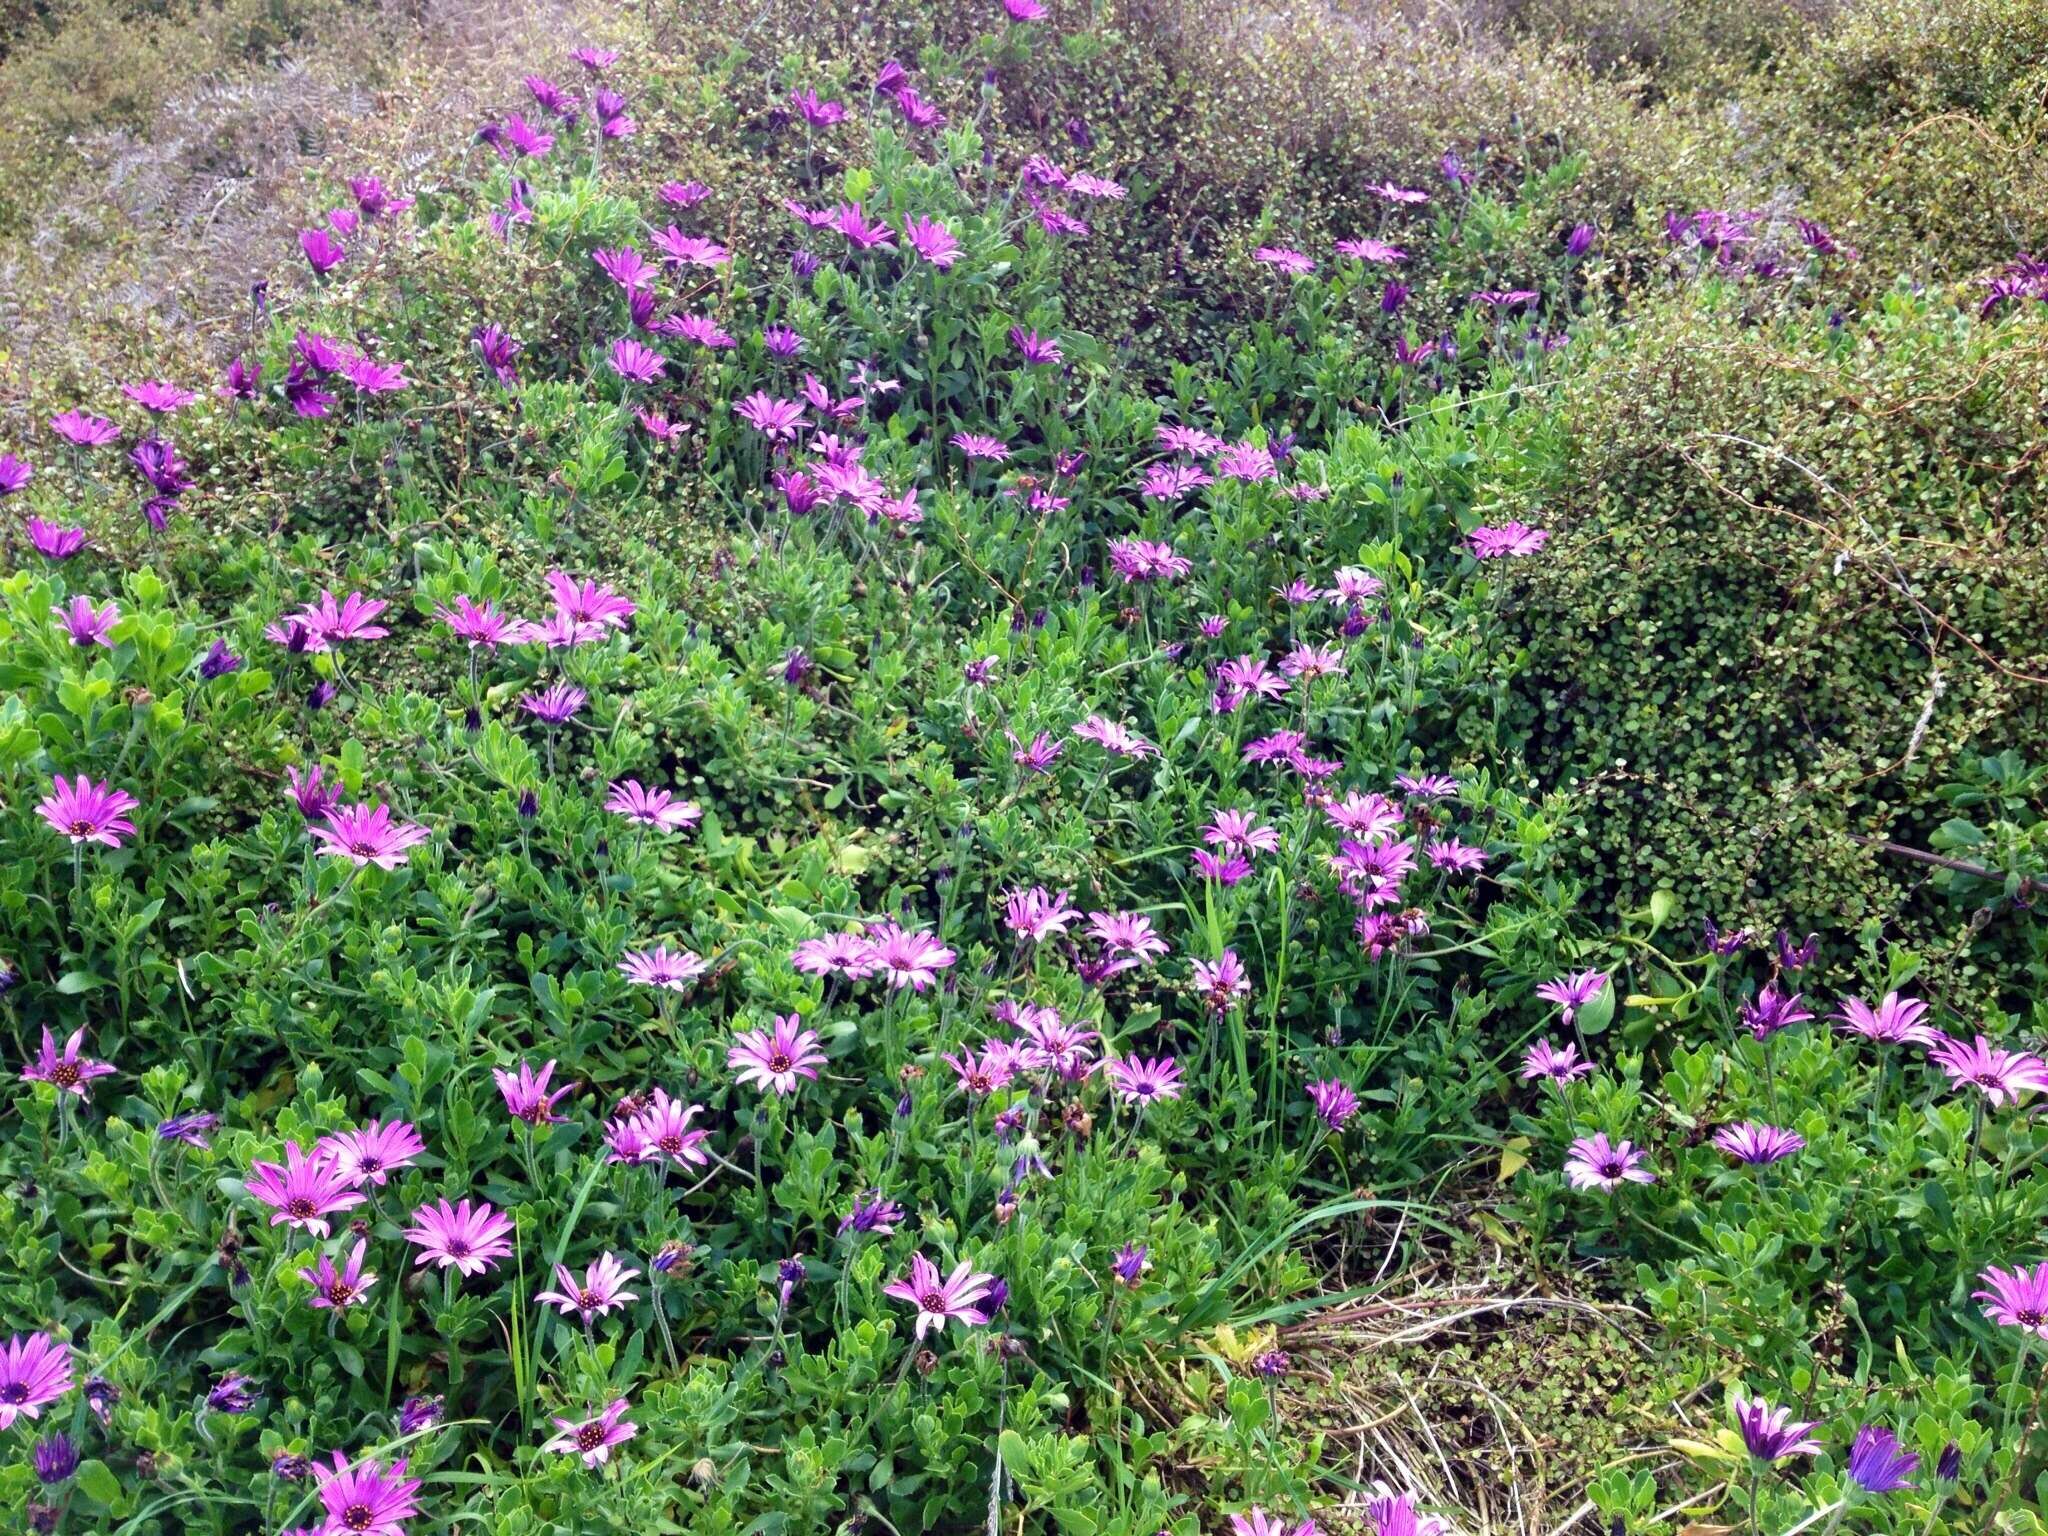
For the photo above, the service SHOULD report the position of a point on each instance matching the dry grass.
(1493, 1392)
(144, 248)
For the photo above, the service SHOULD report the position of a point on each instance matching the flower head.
(375, 1152)
(669, 970)
(1771, 1434)
(602, 1289)
(556, 704)
(87, 431)
(367, 834)
(34, 1372)
(1507, 540)
(907, 957)
(1141, 1080)
(1544, 1060)
(527, 1096)
(665, 1126)
(159, 396)
(54, 541)
(2016, 1297)
(303, 1191)
(940, 1300)
(1773, 1010)
(367, 1499)
(1334, 1102)
(1573, 992)
(587, 602)
(86, 812)
(87, 625)
(1294, 263)
(1595, 1163)
(1757, 1144)
(1894, 1020)
(592, 1439)
(1877, 1464)
(635, 362)
(338, 1289)
(774, 1060)
(2002, 1076)
(65, 1071)
(469, 1236)
(657, 808)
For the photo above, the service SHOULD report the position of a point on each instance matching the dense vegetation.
(1103, 769)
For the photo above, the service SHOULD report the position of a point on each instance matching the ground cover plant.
(690, 847)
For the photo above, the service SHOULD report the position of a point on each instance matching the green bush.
(1803, 579)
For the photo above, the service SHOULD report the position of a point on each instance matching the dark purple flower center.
(340, 1293)
(300, 1207)
(457, 1248)
(589, 1436)
(779, 1062)
(358, 1517)
(2030, 1317)
(14, 1392)
(83, 828)
(932, 1301)
(1611, 1167)
(65, 1074)
(589, 1301)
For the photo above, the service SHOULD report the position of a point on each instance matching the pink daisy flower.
(775, 1060)
(469, 1236)
(941, 1300)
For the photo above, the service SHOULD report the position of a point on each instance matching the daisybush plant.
(711, 886)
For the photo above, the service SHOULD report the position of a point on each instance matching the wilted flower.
(192, 1130)
(55, 1458)
(218, 662)
(872, 1213)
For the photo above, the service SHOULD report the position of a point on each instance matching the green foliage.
(1799, 588)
